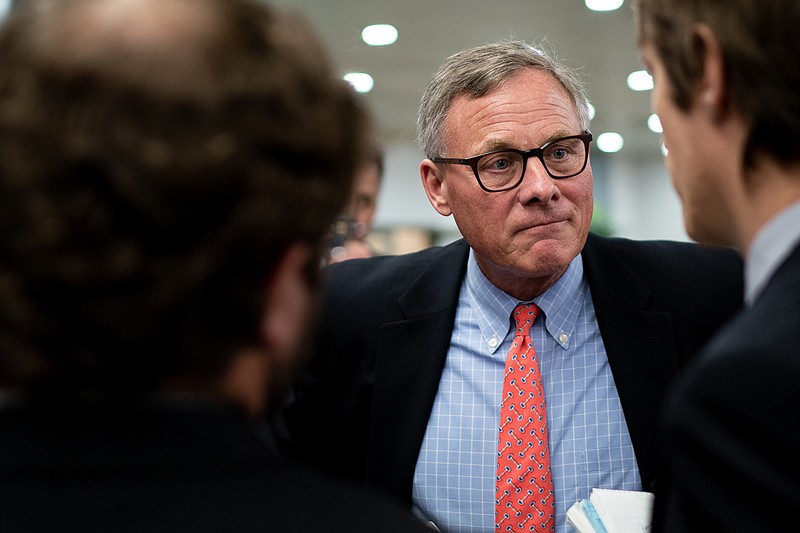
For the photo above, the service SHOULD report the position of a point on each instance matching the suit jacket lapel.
(411, 356)
(639, 344)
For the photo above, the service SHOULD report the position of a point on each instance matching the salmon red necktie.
(524, 498)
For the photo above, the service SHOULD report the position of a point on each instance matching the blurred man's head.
(168, 171)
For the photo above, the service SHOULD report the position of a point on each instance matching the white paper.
(624, 511)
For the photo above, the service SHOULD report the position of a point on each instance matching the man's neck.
(770, 188)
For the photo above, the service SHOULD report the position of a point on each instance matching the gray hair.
(479, 70)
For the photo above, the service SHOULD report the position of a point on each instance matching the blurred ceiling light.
(591, 110)
(640, 80)
(603, 5)
(361, 81)
(379, 34)
(5, 7)
(610, 142)
(654, 123)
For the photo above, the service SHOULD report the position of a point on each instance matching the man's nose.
(537, 185)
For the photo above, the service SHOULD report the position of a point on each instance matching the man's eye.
(498, 163)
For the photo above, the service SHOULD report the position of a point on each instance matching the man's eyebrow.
(560, 134)
(495, 144)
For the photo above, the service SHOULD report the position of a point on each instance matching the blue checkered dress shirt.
(589, 442)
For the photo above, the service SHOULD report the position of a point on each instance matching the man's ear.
(256, 371)
(713, 88)
(435, 188)
(287, 301)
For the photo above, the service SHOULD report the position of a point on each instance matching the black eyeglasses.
(501, 170)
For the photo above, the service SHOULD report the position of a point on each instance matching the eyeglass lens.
(562, 158)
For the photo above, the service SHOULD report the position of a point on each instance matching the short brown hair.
(760, 46)
(150, 179)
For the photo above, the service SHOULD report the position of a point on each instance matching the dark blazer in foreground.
(386, 323)
(733, 426)
(167, 470)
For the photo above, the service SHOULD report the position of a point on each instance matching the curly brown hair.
(151, 175)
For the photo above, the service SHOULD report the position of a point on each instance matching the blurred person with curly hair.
(168, 173)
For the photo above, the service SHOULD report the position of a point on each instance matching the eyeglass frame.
(472, 162)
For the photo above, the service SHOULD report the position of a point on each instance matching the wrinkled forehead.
(532, 101)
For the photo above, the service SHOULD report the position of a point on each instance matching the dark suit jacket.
(114, 469)
(386, 325)
(733, 427)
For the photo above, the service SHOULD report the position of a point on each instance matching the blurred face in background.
(364, 201)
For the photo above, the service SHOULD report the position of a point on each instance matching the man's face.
(364, 201)
(693, 161)
(523, 238)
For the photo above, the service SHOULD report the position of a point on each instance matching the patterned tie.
(524, 494)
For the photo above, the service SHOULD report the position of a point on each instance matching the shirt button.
(563, 338)
(492, 342)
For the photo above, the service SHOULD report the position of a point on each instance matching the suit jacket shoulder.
(732, 426)
(699, 287)
(657, 303)
(422, 282)
(166, 469)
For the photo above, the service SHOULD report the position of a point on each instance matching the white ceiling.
(602, 45)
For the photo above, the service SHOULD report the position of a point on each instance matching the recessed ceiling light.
(603, 5)
(654, 123)
(361, 81)
(640, 80)
(610, 142)
(5, 7)
(379, 34)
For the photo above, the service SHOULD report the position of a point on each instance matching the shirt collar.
(771, 246)
(493, 307)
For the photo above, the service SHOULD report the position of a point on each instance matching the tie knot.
(524, 316)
